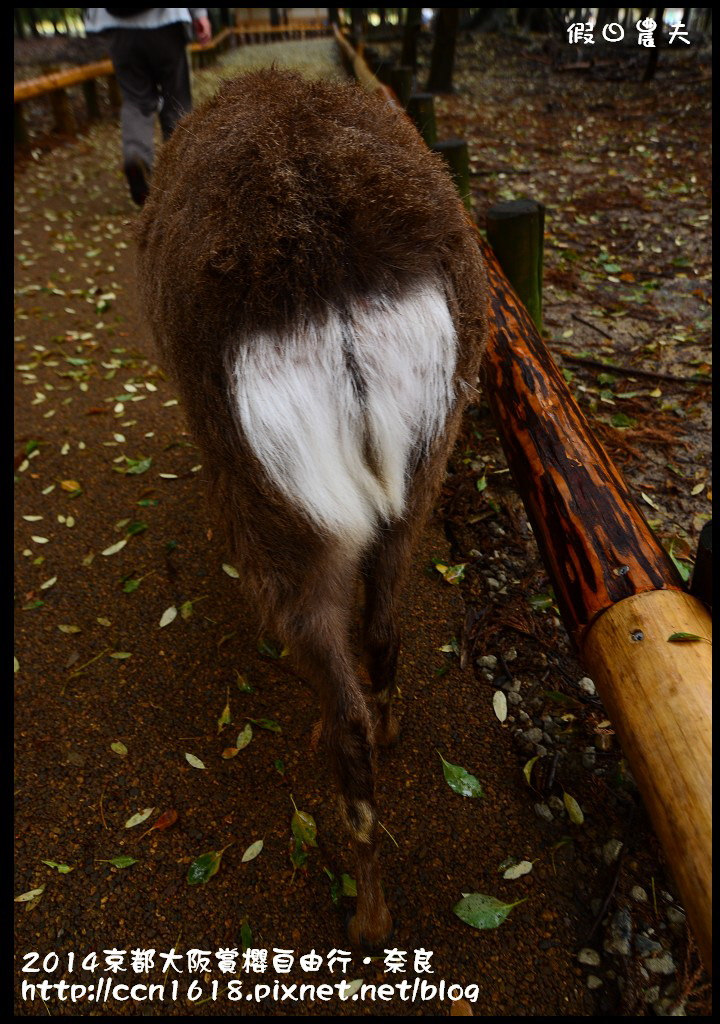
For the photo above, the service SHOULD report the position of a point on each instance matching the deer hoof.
(370, 935)
(387, 731)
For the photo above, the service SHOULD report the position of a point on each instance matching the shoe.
(137, 174)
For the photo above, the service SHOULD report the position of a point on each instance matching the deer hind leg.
(315, 622)
(385, 571)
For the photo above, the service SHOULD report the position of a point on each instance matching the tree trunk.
(274, 16)
(357, 21)
(606, 16)
(413, 22)
(655, 51)
(334, 15)
(443, 52)
(33, 21)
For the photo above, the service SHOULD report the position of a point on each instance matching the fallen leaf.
(139, 818)
(252, 851)
(168, 616)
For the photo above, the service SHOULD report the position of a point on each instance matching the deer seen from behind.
(316, 293)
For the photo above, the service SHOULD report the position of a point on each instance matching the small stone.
(514, 698)
(589, 956)
(493, 583)
(638, 893)
(652, 994)
(675, 916)
(661, 965)
(543, 812)
(588, 759)
(533, 735)
(523, 716)
(611, 851)
(555, 803)
(515, 685)
(669, 1008)
(646, 946)
(586, 685)
(510, 655)
(487, 661)
(593, 981)
(620, 933)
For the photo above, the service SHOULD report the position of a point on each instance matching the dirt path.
(109, 702)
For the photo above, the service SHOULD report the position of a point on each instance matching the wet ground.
(110, 703)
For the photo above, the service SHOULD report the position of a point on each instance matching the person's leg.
(139, 105)
(172, 76)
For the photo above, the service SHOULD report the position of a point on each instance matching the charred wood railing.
(618, 592)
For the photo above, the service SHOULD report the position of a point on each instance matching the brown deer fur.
(277, 205)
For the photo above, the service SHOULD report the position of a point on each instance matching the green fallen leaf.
(303, 826)
(453, 574)
(204, 867)
(119, 748)
(135, 467)
(686, 638)
(266, 723)
(349, 885)
(460, 780)
(480, 911)
(64, 869)
(120, 862)
(224, 718)
(243, 685)
(245, 936)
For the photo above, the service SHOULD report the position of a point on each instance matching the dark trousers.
(151, 68)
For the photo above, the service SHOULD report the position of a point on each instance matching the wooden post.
(92, 101)
(658, 695)
(19, 127)
(114, 91)
(382, 69)
(62, 112)
(455, 152)
(401, 79)
(421, 108)
(515, 232)
(701, 585)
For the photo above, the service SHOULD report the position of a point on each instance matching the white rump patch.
(337, 413)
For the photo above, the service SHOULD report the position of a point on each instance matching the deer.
(315, 292)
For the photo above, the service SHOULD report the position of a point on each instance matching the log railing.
(53, 86)
(619, 594)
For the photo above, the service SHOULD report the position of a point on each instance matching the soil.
(109, 702)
